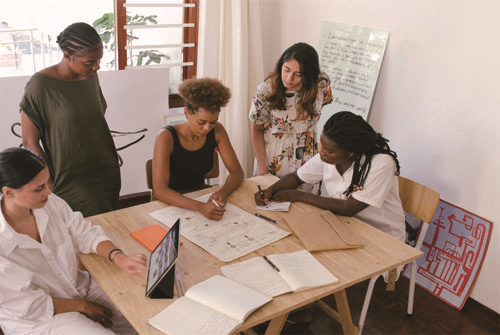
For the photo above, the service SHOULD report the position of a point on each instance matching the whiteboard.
(352, 56)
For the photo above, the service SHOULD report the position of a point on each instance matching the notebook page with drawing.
(163, 258)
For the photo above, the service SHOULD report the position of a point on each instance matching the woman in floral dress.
(285, 111)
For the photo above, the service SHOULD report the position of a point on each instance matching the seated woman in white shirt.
(359, 173)
(41, 289)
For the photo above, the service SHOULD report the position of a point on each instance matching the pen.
(216, 204)
(265, 218)
(261, 193)
(271, 263)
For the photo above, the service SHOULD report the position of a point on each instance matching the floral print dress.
(289, 142)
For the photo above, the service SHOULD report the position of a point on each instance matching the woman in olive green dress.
(62, 118)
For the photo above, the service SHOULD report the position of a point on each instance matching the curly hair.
(207, 93)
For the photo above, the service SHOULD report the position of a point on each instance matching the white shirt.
(31, 273)
(380, 191)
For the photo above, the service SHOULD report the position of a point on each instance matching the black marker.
(261, 193)
(265, 218)
(271, 263)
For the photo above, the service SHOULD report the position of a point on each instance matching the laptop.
(161, 273)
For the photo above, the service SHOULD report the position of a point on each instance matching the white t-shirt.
(32, 272)
(380, 191)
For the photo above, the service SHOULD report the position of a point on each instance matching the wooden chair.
(214, 173)
(421, 202)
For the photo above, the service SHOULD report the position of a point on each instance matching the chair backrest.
(214, 173)
(149, 173)
(417, 199)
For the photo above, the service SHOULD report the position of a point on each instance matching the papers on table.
(275, 206)
(217, 305)
(280, 273)
(238, 233)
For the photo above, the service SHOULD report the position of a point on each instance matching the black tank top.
(188, 168)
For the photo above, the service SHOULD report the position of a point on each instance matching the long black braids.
(78, 36)
(353, 134)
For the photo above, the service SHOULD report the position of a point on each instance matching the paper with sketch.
(276, 206)
(298, 271)
(238, 233)
(217, 305)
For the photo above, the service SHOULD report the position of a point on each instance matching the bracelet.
(113, 253)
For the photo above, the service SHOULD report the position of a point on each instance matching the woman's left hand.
(287, 195)
(131, 264)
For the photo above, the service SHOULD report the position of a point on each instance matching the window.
(29, 28)
(163, 34)
(147, 34)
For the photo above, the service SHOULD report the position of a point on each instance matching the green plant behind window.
(105, 27)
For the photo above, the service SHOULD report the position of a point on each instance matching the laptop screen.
(163, 257)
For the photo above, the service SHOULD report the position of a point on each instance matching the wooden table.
(380, 253)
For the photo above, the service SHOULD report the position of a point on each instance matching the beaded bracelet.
(113, 253)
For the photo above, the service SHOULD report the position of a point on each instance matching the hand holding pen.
(262, 197)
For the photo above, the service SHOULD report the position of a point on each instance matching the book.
(217, 305)
(149, 236)
(278, 274)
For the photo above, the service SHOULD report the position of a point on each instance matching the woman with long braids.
(359, 173)
(62, 118)
(41, 289)
(285, 111)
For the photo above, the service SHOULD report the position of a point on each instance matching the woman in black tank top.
(183, 152)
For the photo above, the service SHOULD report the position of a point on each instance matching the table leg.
(344, 313)
(276, 324)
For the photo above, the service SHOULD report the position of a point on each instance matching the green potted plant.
(105, 27)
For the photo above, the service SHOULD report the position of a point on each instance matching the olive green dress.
(80, 151)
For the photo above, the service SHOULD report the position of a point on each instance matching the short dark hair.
(208, 93)
(18, 166)
(353, 134)
(77, 37)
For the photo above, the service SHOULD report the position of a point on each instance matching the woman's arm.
(31, 136)
(289, 182)
(31, 139)
(285, 190)
(130, 264)
(232, 164)
(163, 148)
(259, 150)
(348, 207)
(92, 310)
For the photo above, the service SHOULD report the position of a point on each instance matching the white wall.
(136, 99)
(437, 97)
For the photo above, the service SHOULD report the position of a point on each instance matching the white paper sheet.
(238, 233)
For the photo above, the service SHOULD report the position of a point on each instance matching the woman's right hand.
(268, 194)
(210, 211)
(97, 313)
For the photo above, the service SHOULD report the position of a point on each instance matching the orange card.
(149, 236)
